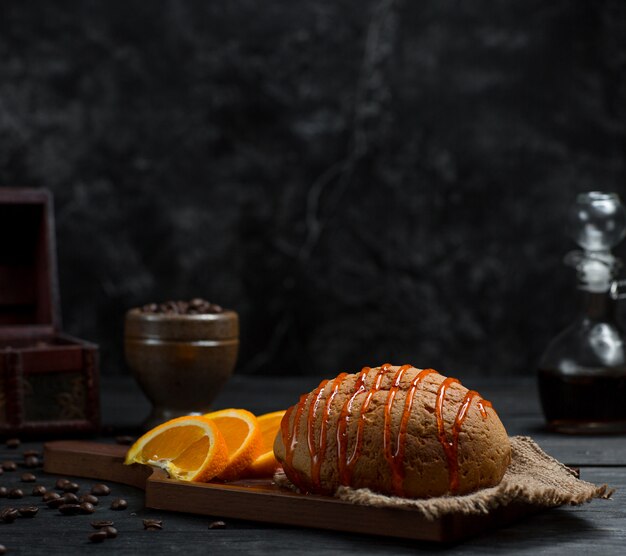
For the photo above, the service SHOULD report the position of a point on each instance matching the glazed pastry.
(395, 430)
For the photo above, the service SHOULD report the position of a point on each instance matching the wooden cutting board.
(261, 500)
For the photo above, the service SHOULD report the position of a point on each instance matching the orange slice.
(240, 430)
(188, 448)
(266, 463)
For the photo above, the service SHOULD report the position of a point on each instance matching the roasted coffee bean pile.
(196, 306)
(62, 496)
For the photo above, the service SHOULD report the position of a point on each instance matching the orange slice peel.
(241, 432)
(266, 463)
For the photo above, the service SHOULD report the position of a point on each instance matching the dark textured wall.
(362, 180)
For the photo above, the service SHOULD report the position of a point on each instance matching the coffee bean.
(1, 471)
(39, 490)
(3, 549)
(3, 492)
(29, 453)
(87, 508)
(9, 515)
(152, 524)
(89, 498)
(124, 440)
(31, 462)
(69, 509)
(110, 531)
(166, 308)
(71, 487)
(100, 490)
(55, 503)
(15, 493)
(9, 465)
(50, 496)
(102, 523)
(217, 525)
(28, 478)
(60, 484)
(119, 504)
(98, 536)
(13, 442)
(28, 511)
(70, 498)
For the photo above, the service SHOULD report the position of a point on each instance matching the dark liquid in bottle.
(579, 404)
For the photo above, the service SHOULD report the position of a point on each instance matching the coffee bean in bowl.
(196, 306)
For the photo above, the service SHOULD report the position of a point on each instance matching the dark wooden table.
(597, 528)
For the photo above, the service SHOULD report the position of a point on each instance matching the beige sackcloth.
(533, 477)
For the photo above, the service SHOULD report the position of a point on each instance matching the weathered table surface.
(598, 527)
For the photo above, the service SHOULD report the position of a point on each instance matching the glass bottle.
(582, 373)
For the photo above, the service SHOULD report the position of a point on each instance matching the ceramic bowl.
(180, 361)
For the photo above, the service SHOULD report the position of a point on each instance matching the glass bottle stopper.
(597, 223)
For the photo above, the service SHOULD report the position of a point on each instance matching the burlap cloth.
(533, 477)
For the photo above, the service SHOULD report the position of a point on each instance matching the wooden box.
(48, 380)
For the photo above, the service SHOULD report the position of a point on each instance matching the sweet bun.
(395, 430)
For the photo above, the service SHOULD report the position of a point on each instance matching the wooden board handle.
(94, 460)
